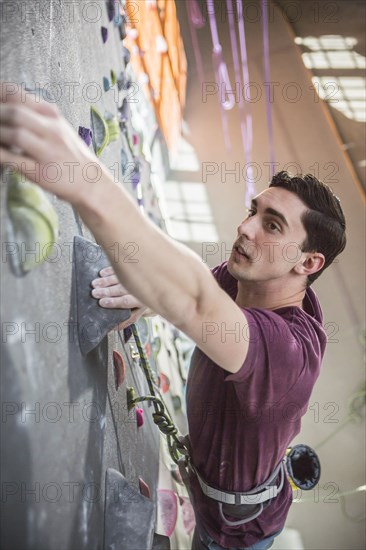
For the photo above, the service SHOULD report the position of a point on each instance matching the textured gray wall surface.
(54, 459)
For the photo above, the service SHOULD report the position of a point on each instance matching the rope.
(161, 415)
(267, 76)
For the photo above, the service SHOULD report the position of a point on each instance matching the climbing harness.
(247, 505)
(301, 464)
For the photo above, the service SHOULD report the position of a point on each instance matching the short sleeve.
(275, 349)
(225, 280)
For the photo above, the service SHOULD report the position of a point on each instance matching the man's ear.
(311, 263)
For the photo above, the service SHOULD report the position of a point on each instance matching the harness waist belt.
(260, 494)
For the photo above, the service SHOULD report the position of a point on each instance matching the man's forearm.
(163, 274)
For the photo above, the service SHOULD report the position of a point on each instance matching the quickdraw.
(177, 449)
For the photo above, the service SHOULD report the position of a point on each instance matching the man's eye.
(251, 212)
(273, 226)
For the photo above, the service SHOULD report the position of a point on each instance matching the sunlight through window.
(190, 217)
(344, 93)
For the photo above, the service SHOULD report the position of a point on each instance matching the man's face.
(269, 240)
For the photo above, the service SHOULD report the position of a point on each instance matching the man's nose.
(247, 228)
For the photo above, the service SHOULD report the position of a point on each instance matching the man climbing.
(255, 320)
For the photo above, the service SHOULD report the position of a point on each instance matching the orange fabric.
(167, 72)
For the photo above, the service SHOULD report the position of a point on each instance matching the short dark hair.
(324, 222)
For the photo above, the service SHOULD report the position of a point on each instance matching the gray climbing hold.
(128, 515)
(93, 321)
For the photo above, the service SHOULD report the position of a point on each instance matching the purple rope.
(244, 60)
(195, 22)
(250, 188)
(221, 73)
(195, 14)
(234, 49)
(236, 61)
(267, 76)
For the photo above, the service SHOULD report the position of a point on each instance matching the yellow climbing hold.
(34, 223)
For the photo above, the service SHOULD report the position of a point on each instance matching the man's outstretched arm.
(163, 274)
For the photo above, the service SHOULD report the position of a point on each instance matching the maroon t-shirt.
(241, 424)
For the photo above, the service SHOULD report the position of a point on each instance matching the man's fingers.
(22, 164)
(111, 294)
(13, 93)
(106, 271)
(19, 115)
(23, 139)
(110, 280)
(119, 302)
(110, 291)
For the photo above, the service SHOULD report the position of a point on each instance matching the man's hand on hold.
(37, 141)
(112, 295)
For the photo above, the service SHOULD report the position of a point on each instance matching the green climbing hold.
(100, 131)
(177, 402)
(131, 396)
(113, 77)
(34, 223)
(105, 130)
(113, 127)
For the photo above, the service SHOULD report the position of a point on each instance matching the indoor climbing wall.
(69, 429)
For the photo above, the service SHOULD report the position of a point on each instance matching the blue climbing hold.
(106, 84)
(126, 55)
(135, 176)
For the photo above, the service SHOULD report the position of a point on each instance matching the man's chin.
(240, 272)
(233, 267)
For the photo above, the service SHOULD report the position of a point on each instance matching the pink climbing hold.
(168, 510)
(164, 383)
(104, 32)
(139, 417)
(148, 349)
(189, 520)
